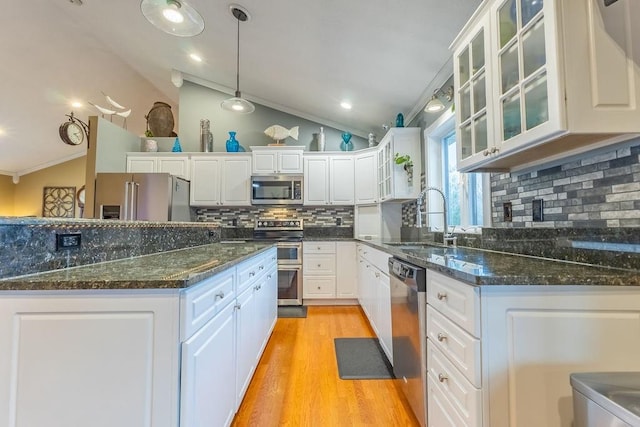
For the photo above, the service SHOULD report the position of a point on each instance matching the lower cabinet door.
(247, 345)
(207, 383)
(440, 412)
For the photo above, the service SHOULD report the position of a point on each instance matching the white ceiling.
(305, 56)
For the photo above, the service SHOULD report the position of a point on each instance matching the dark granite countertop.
(167, 270)
(484, 267)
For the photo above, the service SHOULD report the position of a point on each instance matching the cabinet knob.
(261, 267)
(237, 307)
(318, 287)
(318, 248)
(441, 337)
(441, 296)
(377, 274)
(219, 295)
(485, 153)
(442, 378)
(319, 265)
(269, 276)
(494, 149)
(252, 273)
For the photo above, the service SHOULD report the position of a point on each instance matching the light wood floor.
(297, 382)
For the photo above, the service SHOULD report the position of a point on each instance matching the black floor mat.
(285, 311)
(362, 359)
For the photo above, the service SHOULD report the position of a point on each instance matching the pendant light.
(237, 104)
(175, 17)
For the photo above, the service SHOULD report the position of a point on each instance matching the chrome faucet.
(447, 238)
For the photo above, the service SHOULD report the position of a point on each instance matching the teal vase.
(399, 120)
(176, 146)
(232, 143)
(346, 144)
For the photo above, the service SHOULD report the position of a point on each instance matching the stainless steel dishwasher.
(409, 338)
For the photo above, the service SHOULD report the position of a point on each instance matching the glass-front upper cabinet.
(522, 66)
(472, 79)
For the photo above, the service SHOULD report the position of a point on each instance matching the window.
(467, 194)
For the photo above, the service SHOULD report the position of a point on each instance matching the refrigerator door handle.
(134, 200)
(125, 211)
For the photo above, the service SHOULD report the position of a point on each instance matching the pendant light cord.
(238, 61)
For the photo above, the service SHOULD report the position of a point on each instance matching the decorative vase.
(399, 120)
(346, 144)
(409, 170)
(321, 139)
(177, 148)
(232, 143)
(160, 119)
(151, 146)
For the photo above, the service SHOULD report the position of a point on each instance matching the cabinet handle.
(261, 267)
(441, 336)
(219, 295)
(273, 258)
(319, 265)
(442, 378)
(494, 149)
(377, 274)
(237, 307)
(485, 153)
(269, 276)
(441, 296)
(252, 273)
(318, 247)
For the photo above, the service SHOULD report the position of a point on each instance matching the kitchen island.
(158, 340)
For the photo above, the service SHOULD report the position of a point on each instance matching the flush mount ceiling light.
(175, 17)
(346, 105)
(237, 104)
(434, 105)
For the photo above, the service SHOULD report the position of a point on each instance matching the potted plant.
(407, 165)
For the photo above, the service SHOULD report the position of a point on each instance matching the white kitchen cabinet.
(329, 270)
(270, 160)
(347, 274)
(220, 180)
(366, 177)
(175, 164)
(246, 331)
(378, 221)
(393, 181)
(374, 293)
(65, 358)
(501, 355)
(209, 373)
(329, 179)
(560, 78)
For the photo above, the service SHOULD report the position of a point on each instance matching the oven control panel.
(278, 224)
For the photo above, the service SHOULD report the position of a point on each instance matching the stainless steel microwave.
(276, 189)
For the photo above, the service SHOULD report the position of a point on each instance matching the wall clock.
(74, 131)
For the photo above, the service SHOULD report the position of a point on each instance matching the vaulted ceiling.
(304, 56)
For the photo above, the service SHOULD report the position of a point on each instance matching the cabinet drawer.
(461, 348)
(441, 412)
(319, 287)
(319, 248)
(463, 396)
(376, 257)
(250, 271)
(319, 265)
(202, 302)
(456, 300)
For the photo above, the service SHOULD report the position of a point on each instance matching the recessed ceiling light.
(76, 104)
(195, 57)
(2, 132)
(346, 105)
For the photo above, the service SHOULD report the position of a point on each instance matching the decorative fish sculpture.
(279, 133)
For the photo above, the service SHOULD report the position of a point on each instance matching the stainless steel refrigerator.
(142, 196)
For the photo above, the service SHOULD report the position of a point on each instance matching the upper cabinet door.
(472, 79)
(341, 180)
(265, 162)
(290, 162)
(316, 182)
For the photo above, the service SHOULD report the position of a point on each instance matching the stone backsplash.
(612, 247)
(29, 245)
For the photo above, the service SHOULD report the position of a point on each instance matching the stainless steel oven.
(287, 234)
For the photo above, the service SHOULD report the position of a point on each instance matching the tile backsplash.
(244, 217)
(596, 191)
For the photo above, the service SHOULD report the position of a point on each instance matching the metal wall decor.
(59, 202)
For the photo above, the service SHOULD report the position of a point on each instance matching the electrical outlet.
(507, 210)
(338, 221)
(537, 210)
(212, 233)
(68, 241)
